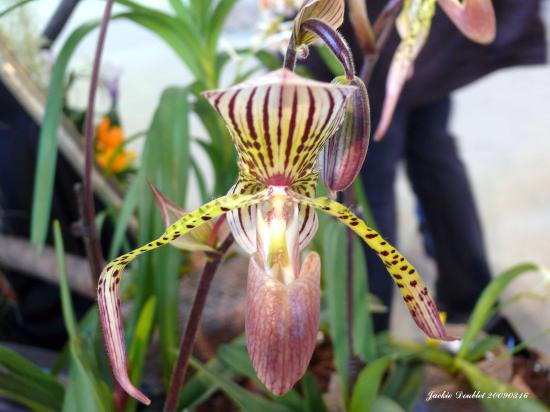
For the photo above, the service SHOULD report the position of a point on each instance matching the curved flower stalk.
(474, 18)
(279, 123)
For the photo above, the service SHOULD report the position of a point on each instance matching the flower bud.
(344, 153)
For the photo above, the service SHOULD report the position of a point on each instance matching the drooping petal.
(410, 284)
(242, 222)
(281, 323)
(413, 25)
(342, 157)
(107, 291)
(331, 12)
(279, 123)
(194, 240)
(361, 26)
(474, 18)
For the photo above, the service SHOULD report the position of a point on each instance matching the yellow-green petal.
(107, 291)
(410, 284)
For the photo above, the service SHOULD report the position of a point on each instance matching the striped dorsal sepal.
(279, 123)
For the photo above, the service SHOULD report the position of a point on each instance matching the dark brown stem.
(86, 195)
(192, 325)
(382, 29)
(89, 237)
(87, 209)
(290, 57)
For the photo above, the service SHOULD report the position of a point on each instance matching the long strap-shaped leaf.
(107, 291)
(409, 282)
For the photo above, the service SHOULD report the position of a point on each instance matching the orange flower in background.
(110, 154)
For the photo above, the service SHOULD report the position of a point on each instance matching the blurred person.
(419, 135)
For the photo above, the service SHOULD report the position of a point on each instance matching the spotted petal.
(474, 18)
(413, 26)
(279, 123)
(410, 284)
(107, 291)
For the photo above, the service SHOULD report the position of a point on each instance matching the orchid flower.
(279, 123)
(474, 18)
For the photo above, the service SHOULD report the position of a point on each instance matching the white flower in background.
(275, 26)
(286, 7)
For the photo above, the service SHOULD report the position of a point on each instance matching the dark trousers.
(419, 136)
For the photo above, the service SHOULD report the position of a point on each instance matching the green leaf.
(69, 316)
(18, 365)
(498, 397)
(47, 143)
(246, 400)
(235, 356)
(330, 60)
(175, 34)
(384, 404)
(404, 383)
(201, 181)
(84, 392)
(313, 398)
(363, 203)
(368, 384)
(485, 304)
(269, 60)
(479, 349)
(334, 276)
(199, 388)
(363, 330)
(123, 220)
(216, 23)
(24, 382)
(200, 10)
(182, 11)
(140, 344)
(27, 393)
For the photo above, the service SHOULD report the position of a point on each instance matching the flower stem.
(290, 57)
(192, 325)
(89, 232)
(85, 195)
